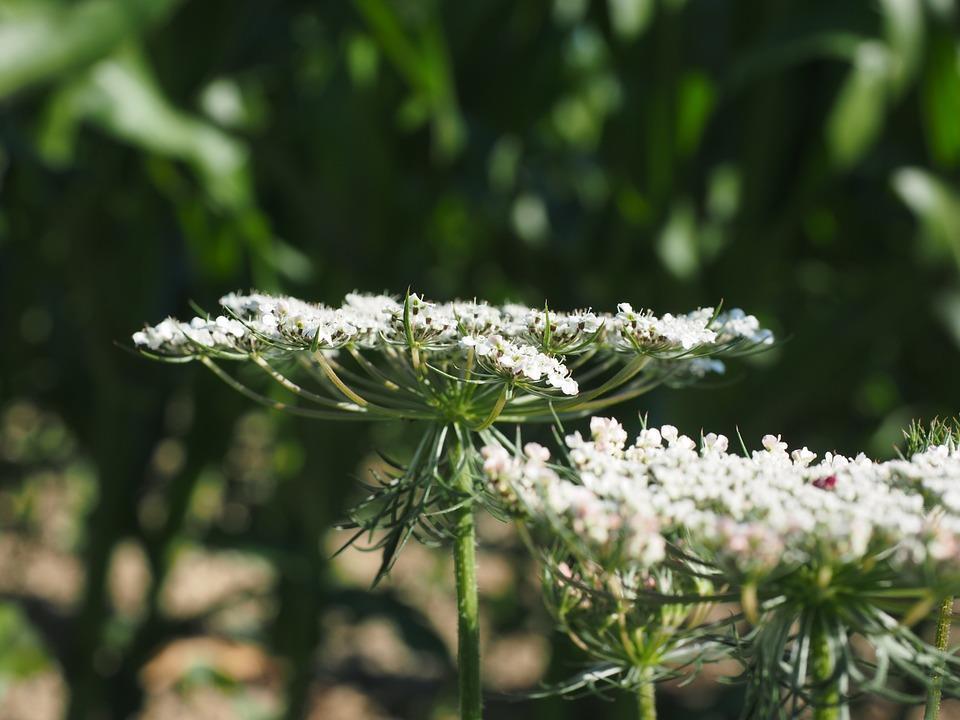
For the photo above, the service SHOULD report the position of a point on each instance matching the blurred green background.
(165, 547)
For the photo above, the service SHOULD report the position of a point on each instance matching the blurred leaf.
(39, 41)
(935, 204)
(288, 260)
(593, 92)
(363, 59)
(858, 113)
(576, 122)
(779, 55)
(947, 307)
(630, 18)
(944, 9)
(57, 131)
(120, 95)
(413, 112)
(401, 51)
(585, 51)
(634, 208)
(677, 244)
(820, 225)
(503, 162)
(569, 12)
(904, 32)
(940, 96)
(426, 66)
(722, 203)
(215, 248)
(723, 192)
(593, 187)
(696, 97)
(530, 219)
(21, 652)
(223, 102)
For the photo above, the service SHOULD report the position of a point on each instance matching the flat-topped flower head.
(748, 514)
(288, 324)
(555, 332)
(519, 362)
(373, 318)
(458, 368)
(220, 334)
(372, 315)
(477, 318)
(386, 357)
(642, 330)
(430, 325)
(636, 536)
(736, 326)
(678, 336)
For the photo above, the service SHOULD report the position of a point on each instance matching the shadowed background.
(165, 546)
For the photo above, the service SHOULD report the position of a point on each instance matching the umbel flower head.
(812, 547)
(468, 362)
(459, 366)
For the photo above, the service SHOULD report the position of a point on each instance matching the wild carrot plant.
(944, 434)
(825, 565)
(458, 368)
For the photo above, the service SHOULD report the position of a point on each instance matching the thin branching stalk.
(932, 710)
(468, 609)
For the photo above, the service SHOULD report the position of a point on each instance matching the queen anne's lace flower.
(553, 331)
(380, 318)
(512, 342)
(670, 333)
(736, 325)
(504, 357)
(644, 533)
(222, 333)
(460, 367)
(748, 514)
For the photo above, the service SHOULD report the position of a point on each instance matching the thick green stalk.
(826, 694)
(468, 609)
(932, 709)
(647, 702)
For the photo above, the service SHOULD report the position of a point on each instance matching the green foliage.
(797, 158)
(919, 436)
(23, 653)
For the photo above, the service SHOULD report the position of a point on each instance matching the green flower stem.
(826, 695)
(932, 709)
(647, 701)
(468, 609)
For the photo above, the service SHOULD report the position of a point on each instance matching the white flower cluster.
(558, 331)
(371, 319)
(685, 333)
(512, 341)
(934, 473)
(645, 330)
(749, 515)
(503, 357)
(171, 336)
